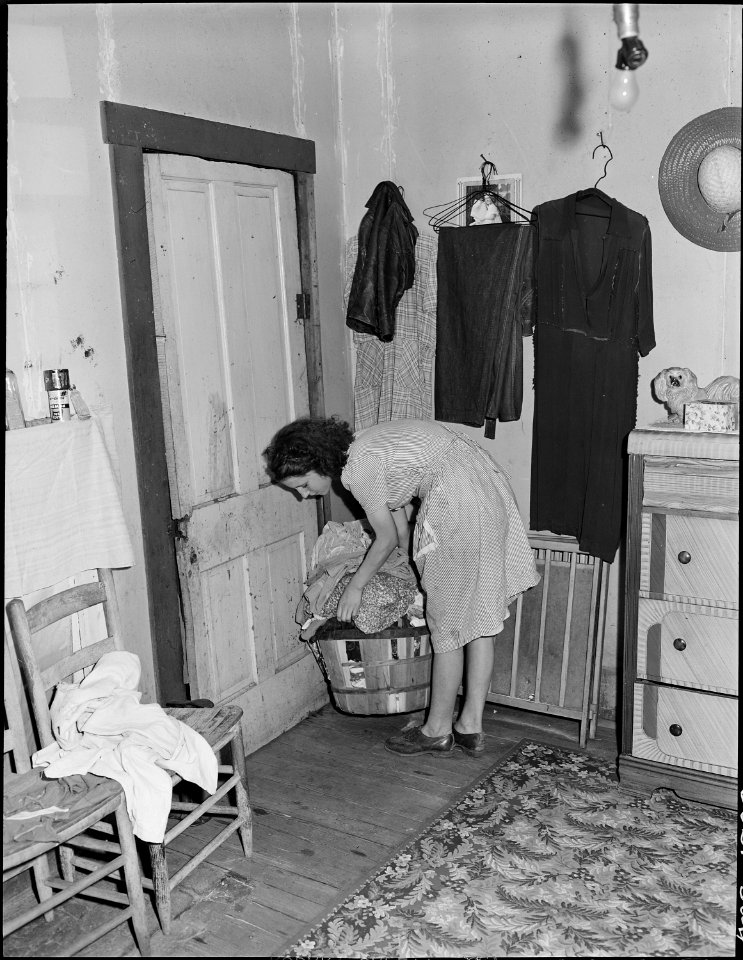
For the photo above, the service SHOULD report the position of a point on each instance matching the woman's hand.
(349, 604)
(384, 542)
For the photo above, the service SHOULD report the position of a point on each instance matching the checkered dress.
(469, 543)
(394, 379)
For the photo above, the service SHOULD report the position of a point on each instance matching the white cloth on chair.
(101, 727)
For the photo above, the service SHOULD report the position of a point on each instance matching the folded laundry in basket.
(337, 555)
(384, 600)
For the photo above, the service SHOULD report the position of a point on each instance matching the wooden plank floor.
(330, 805)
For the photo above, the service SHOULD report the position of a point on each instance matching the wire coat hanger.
(593, 193)
(442, 213)
(601, 146)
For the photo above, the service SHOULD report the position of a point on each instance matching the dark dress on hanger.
(485, 306)
(594, 316)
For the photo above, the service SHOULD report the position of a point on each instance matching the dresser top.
(670, 439)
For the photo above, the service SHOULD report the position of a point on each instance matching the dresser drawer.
(687, 729)
(693, 484)
(688, 644)
(690, 558)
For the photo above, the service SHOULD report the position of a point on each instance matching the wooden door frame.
(131, 132)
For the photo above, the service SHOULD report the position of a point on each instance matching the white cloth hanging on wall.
(394, 380)
(63, 510)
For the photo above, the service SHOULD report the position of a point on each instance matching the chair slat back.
(64, 604)
(15, 734)
(24, 623)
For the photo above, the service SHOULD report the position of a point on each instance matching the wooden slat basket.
(382, 673)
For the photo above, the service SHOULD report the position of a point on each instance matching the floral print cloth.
(547, 856)
(385, 599)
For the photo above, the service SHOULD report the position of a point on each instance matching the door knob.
(679, 643)
(684, 557)
(675, 729)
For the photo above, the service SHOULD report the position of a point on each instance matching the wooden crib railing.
(548, 657)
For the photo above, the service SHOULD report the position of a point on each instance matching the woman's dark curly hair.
(309, 444)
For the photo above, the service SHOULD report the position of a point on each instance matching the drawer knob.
(675, 729)
(679, 643)
(684, 557)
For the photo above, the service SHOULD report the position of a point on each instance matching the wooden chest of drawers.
(680, 698)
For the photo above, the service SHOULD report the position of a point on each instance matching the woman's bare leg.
(446, 677)
(479, 658)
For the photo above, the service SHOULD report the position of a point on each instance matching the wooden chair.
(220, 727)
(98, 800)
(16, 745)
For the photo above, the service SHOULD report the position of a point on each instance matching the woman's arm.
(385, 541)
(401, 516)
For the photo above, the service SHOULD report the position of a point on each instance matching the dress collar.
(617, 223)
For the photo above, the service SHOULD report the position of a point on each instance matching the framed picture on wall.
(470, 189)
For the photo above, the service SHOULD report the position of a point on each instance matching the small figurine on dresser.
(713, 408)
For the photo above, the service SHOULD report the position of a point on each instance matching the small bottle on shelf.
(13, 408)
(78, 404)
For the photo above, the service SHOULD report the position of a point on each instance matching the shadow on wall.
(569, 127)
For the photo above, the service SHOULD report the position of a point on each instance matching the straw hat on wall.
(699, 180)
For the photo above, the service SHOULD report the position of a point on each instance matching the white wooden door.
(223, 240)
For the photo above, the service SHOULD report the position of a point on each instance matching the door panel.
(233, 361)
(226, 589)
(203, 450)
(286, 583)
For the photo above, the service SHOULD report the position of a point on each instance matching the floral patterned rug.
(546, 857)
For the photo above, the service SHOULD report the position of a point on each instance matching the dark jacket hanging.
(385, 267)
(484, 308)
(594, 316)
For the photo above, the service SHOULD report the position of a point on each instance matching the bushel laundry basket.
(385, 672)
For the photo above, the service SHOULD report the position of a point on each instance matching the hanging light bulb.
(623, 87)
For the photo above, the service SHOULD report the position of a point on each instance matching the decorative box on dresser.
(680, 698)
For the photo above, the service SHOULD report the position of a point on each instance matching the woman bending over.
(469, 546)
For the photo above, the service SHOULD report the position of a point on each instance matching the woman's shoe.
(472, 743)
(414, 741)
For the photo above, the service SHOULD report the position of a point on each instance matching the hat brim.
(678, 183)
